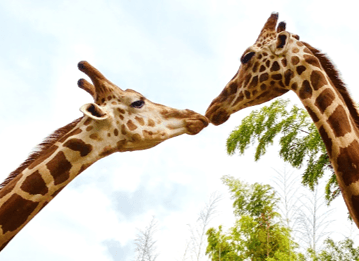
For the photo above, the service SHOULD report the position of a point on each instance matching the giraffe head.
(264, 73)
(124, 120)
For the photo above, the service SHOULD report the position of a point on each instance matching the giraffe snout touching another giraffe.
(117, 121)
(279, 62)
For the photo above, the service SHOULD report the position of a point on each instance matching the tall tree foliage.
(258, 233)
(299, 140)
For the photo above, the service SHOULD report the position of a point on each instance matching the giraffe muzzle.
(196, 124)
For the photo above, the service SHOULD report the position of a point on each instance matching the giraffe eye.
(245, 59)
(138, 104)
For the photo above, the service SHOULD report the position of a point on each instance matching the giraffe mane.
(40, 150)
(338, 83)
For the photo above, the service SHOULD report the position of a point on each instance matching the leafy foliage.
(299, 140)
(258, 233)
(341, 251)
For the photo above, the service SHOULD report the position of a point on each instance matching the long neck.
(335, 117)
(42, 177)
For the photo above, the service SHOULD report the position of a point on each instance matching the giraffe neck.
(43, 176)
(335, 116)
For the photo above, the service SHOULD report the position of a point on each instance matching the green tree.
(258, 233)
(341, 251)
(299, 140)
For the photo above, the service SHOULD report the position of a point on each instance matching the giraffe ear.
(94, 111)
(281, 43)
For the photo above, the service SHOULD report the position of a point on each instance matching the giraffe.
(117, 121)
(279, 62)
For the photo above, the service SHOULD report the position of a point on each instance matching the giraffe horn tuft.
(269, 27)
(271, 22)
(100, 84)
(85, 85)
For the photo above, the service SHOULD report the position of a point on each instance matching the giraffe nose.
(216, 115)
(196, 123)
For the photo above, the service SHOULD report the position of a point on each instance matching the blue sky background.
(178, 53)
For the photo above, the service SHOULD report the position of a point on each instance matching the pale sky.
(178, 53)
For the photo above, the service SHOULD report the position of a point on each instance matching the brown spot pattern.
(140, 120)
(327, 141)
(295, 60)
(263, 77)
(295, 50)
(59, 168)
(94, 136)
(318, 80)
(89, 128)
(348, 163)
(300, 69)
(312, 114)
(79, 145)
(277, 76)
(121, 111)
(305, 91)
(247, 79)
(339, 122)
(131, 125)
(325, 99)
(115, 132)
(123, 129)
(262, 68)
(232, 88)
(275, 67)
(151, 123)
(254, 82)
(312, 60)
(15, 211)
(34, 184)
(87, 121)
